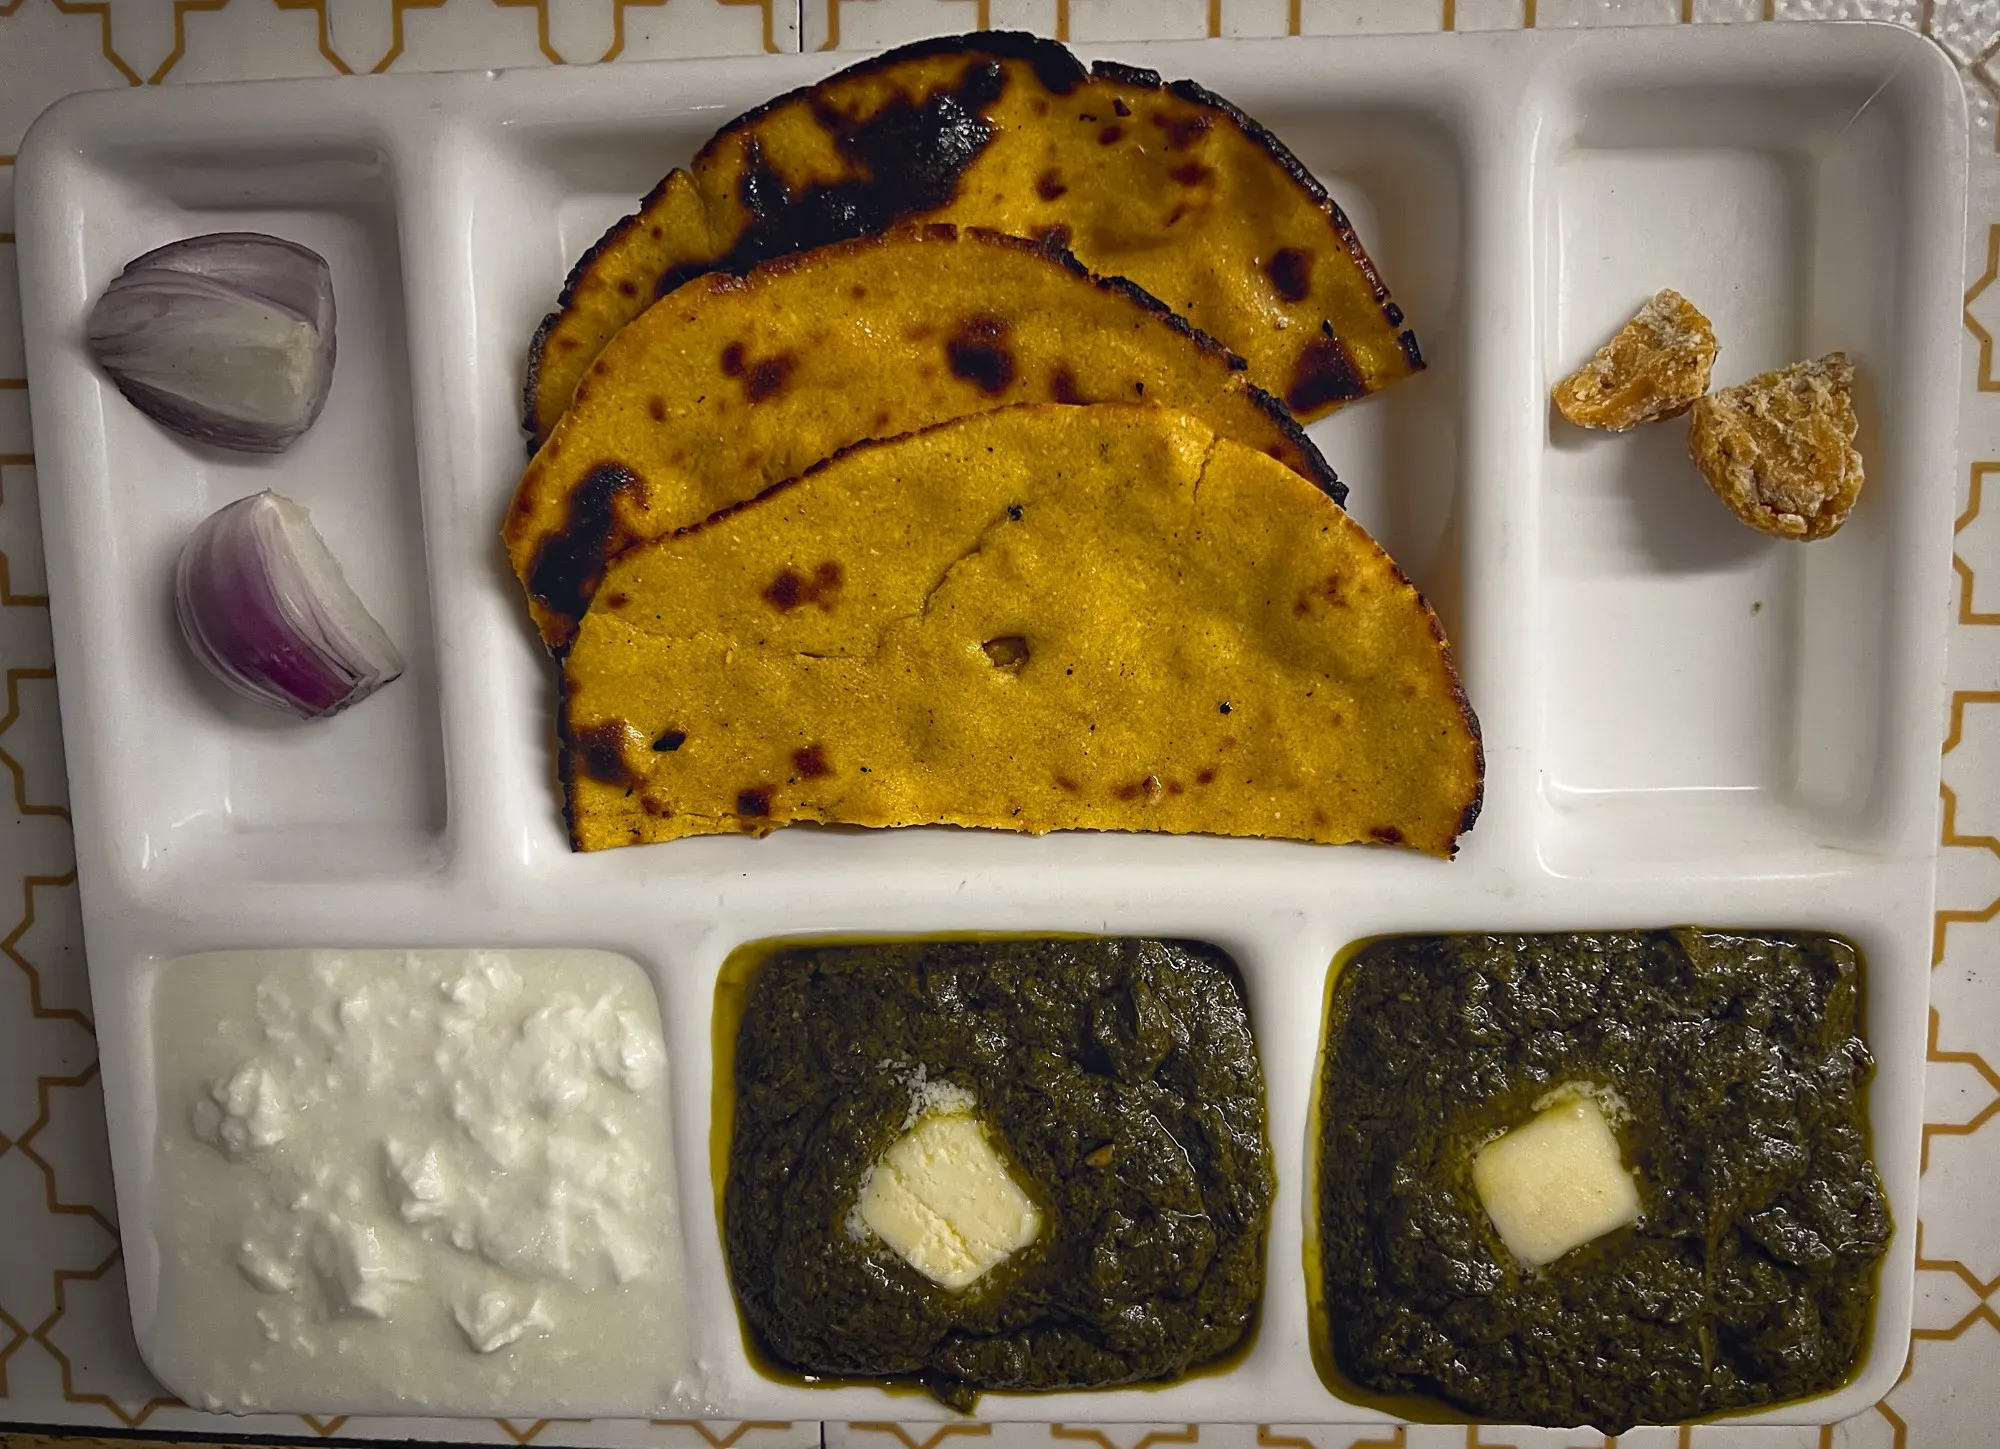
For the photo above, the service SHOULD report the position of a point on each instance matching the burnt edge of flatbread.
(531, 379)
(1197, 94)
(566, 740)
(1469, 817)
(1060, 72)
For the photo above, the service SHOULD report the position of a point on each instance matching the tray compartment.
(540, 193)
(524, 203)
(1878, 916)
(1280, 958)
(1707, 690)
(250, 793)
(472, 164)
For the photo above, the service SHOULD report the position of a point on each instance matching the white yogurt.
(423, 1181)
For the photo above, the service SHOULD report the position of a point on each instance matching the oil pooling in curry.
(1735, 1057)
(1112, 1042)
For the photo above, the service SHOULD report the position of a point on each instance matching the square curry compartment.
(1883, 916)
(178, 779)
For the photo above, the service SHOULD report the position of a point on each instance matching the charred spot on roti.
(1290, 271)
(1386, 834)
(600, 749)
(977, 353)
(1111, 135)
(1182, 131)
(1324, 374)
(571, 560)
(656, 408)
(791, 588)
(902, 160)
(754, 801)
(1049, 185)
(1191, 173)
(768, 377)
(1063, 388)
(810, 762)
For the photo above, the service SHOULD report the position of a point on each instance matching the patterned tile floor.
(66, 1355)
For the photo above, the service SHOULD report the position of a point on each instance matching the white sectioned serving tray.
(1684, 721)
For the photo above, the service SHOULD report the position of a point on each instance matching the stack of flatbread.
(875, 482)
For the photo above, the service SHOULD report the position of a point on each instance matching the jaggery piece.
(1654, 368)
(1779, 449)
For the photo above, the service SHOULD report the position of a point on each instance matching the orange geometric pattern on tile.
(723, 1436)
(1960, 700)
(1267, 1438)
(22, 804)
(1475, 1439)
(1186, 1434)
(25, 1143)
(336, 56)
(1933, 1053)
(903, 1435)
(7, 595)
(10, 947)
(519, 1435)
(102, 11)
(1975, 500)
(619, 8)
(1983, 1288)
(1974, 295)
(16, 1336)
(130, 1418)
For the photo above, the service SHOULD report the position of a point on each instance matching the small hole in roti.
(1009, 651)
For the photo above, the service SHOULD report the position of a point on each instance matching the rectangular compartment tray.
(1684, 722)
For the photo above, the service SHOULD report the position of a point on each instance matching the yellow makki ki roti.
(1164, 184)
(1037, 618)
(732, 384)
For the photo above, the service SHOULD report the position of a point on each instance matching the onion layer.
(263, 604)
(227, 338)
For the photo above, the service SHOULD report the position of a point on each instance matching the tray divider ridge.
(433, 163)
(1500, 453)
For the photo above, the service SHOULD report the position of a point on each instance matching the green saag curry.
(1121, 1085)
(1749, 1275)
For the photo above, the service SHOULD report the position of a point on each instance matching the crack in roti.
(732, 384)
(1036, 618)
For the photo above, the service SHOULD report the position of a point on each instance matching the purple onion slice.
(264, 606)
(227, 338)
